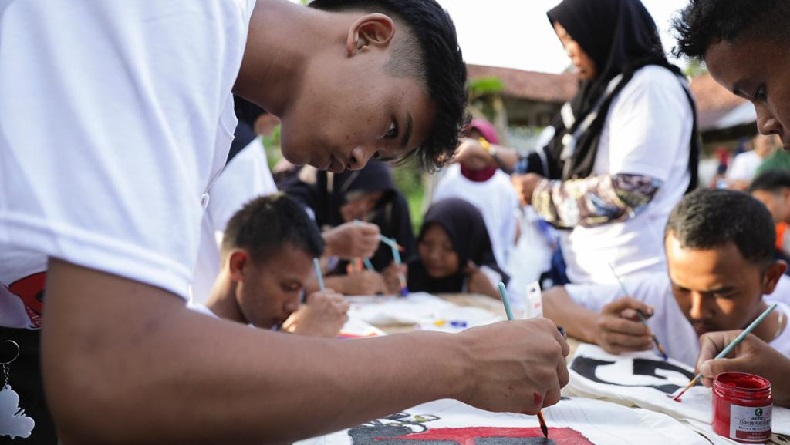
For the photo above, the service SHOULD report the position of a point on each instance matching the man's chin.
(294, 156)
(702, 331)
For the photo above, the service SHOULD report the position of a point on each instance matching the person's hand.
(355, 239)
(479, 283)
(517, 366)
(323, 315)
(525, 186)
(618, 328)
(364, 282)
(751, 355)
(391, 279)
(471, 153)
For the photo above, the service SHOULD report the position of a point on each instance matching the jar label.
(752, 423)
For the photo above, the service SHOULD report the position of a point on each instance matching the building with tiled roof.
(532, 99)
(722, 115)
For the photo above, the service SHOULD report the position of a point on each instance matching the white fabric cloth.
(497, 201)
(142, 119)
(668, 322)
(597, 374)
(246, 177)
(571, 421)
(744, 166)
(647, 132)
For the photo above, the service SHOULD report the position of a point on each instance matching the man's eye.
(392, 131)
(291, 287)
(760, 94)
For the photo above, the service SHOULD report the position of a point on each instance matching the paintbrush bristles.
(543, 427)
(691, 383)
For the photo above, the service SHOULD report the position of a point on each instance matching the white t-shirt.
(139, 116)
(744, 166)
(497, 201)
(668, 323)
(246, 176)
(647, 132)
(202, 308)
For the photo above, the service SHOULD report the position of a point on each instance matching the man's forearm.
(337, 283)
(577, 321)
(155, 372)
(504, 157)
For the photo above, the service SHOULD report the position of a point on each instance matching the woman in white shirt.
(625, 148)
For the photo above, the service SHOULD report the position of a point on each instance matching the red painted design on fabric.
(467, 436)
(31, 291)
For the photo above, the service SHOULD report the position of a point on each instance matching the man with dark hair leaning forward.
(108, 201)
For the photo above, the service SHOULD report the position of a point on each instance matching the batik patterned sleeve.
(595, 200)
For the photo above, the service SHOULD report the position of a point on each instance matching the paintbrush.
(395, 248)
(730, 347)
(318, 275)
(509, 312)
(366, 261)
(641, 315)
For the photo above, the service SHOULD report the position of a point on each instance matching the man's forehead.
(719, 59)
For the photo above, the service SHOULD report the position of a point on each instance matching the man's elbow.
(86, 406)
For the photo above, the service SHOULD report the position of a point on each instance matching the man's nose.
(696, 310)
(360, 156)
(767, 123)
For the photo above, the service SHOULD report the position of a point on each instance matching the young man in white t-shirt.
(267, 257)
(722, 276)
(742, 43)
(112, 193)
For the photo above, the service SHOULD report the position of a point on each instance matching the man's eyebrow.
(404, 142)
(738, 91)
(720, 290)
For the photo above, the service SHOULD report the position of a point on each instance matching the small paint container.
(742, 407)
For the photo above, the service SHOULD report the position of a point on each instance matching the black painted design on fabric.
(587, 367)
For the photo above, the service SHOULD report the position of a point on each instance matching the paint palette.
(456, 319)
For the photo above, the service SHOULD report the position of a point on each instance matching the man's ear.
(772, 275)
(786, 194)
(370, 30)
(237, 261)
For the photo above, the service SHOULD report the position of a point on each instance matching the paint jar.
(742, 407)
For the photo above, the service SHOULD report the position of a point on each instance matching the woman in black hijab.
(625, 148)
(454, 252)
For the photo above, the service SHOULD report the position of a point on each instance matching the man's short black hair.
(267, 224)
(434, 59)
(705, 22)
(771, 181)
(710, 218)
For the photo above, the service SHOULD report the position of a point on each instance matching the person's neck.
(278, 51)
(771, 327)
(222, 301)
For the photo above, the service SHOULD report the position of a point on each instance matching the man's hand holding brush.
(751, 355)
(619, 327)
